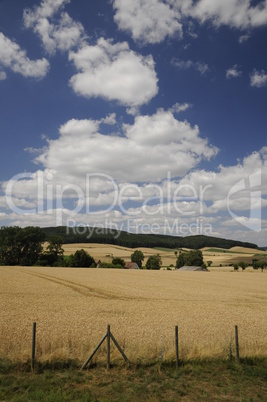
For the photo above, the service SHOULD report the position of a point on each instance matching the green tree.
(209, 263)
(53, 256)
(236, 267)
(260, 264)
(81, 259)
(55, 245)
(194, 257)
(190, 258)
(118, 261)
(9, 245)
(180, 262)
(138, 257)
(20, 246)
(242, 265)
(30, 239)
(154, 262)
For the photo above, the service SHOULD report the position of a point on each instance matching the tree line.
(256, 264)
(132, 240)
(30, 246)
(33, 246)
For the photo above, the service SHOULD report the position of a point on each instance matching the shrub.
(109, 265)
(118, 262)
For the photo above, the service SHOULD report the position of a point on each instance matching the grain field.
(72, 308)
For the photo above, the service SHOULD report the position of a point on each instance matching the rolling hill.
(132, 240)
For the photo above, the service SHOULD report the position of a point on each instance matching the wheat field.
(73, 306)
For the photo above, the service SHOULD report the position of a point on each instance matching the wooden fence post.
(236, 342)
(176, 346)
(33, 344)
(109, 336)
(108, 347)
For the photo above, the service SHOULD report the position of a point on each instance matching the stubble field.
(73, 306)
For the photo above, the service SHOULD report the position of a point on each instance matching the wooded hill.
(121, 238)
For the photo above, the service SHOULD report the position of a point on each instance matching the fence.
(109, 336)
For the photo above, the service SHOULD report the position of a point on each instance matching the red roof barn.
(131, 265)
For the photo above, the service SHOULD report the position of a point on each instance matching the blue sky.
(146, 116)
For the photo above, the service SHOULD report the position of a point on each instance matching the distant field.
(105, 252)
(72, 308)
(218, 256)
(247, 250)
(222, 250)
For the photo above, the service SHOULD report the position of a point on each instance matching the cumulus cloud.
(13, 57)
(114, 72)
(85, 169)
(233, 72)
(63, 35)
(149, 21)
(239, 182)
(233, 13)
(149, 147)
(46, 9)
(258, 79)
(199, 202)
(202, 68)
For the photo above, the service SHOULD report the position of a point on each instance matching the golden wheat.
(72, 308)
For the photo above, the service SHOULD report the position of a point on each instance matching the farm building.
(193, 268)
(131, 265)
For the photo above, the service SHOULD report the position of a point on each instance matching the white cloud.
(46, 9)
(3, 76)
(258, 79)
(114, 72)
(63, 35)
(133, 110)
(180, 107)
(194, 204)
(149, 21)
(13, 57)
(222, 183)
(243, 38)
(233, 72)
(110, 119)
(263, 153)
(68, 33)
(233, 13)
(151, 146)
(202, 68)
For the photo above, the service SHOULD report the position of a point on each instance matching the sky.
(141, 115)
